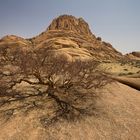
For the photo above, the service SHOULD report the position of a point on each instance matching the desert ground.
(117, 116)
(68, 84)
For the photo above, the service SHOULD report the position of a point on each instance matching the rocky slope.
(72, 37)
(45, 94)
(117, 117)
(133, 55)
(13, 41)
(67, 37)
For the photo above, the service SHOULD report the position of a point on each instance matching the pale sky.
(115, 21)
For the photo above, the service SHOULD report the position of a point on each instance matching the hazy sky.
(116, 21)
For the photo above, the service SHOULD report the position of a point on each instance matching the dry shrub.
(71, 85)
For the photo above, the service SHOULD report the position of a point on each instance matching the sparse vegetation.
(52, 88)
(125, 69)
(99, 38)
(71, 85)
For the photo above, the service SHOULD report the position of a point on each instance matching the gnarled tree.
(71, 85)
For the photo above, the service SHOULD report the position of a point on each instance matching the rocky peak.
(68, 22)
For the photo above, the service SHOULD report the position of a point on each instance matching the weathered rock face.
(134, 55)
(14, 41)
(68, 37)
(65, 31)
(11, 47)
(66, 22)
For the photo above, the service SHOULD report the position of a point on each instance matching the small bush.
(125, 69)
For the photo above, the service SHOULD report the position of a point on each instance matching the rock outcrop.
(66, 22)
(133, 55)
(66, 36)
(65, 31)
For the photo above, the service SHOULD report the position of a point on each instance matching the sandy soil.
(117, 118)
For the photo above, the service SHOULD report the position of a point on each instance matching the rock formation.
(133, 55)
(67, 36)
(66, 22)
(52, 86)
(70, 36)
